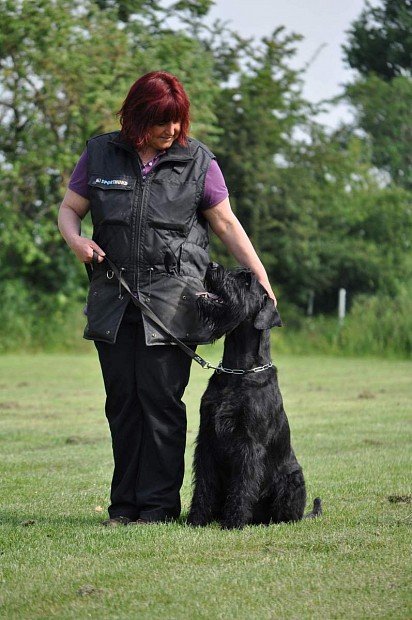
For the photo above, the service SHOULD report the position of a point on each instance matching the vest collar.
(175, 153)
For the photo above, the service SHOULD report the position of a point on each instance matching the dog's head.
(234, 296)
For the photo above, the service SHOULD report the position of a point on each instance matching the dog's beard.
(221, 309)
(215, 317)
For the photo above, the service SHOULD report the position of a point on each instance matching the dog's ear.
(268, 316)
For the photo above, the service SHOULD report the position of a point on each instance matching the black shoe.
(116, 521)
(141, 522)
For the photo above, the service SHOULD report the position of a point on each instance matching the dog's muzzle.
(210, 296)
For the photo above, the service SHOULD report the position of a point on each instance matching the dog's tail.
(316, 511)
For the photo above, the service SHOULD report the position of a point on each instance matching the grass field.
(349, 420)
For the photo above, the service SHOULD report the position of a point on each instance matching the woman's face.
(163, 135)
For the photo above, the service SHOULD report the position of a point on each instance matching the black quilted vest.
(153, 231)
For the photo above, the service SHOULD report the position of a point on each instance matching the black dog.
(245, 470)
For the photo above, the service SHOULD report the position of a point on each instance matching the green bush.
(376, 325)
(33, 322)
(379, 325)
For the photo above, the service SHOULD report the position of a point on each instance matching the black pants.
(147, 419)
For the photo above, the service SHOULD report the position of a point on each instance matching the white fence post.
(342, 304)
(311, 299)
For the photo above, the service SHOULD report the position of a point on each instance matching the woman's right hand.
(85, 248)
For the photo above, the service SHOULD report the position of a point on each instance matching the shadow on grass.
(20, 519)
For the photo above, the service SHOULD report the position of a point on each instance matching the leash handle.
(89, 270)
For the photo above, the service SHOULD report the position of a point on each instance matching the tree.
(383, 111)
(380, 40)
(380, 49)
(257, 116)
(333, 225)
(312, 206)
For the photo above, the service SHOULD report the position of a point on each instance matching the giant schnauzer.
(245, 470)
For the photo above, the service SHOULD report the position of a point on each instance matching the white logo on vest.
(112, 181)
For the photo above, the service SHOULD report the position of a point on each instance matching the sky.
(321, 22)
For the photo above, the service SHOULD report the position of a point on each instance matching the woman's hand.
(85, 249)
(270, 292)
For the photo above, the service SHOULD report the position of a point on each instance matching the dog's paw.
(196, 521)
(232, 525)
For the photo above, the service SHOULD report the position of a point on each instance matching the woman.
(152, 192)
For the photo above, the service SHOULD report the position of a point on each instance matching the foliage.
(377, 325)
(258, 116)
(33, 321)
(380, 40)
(333, 225)
(383, 111)
(379, 48)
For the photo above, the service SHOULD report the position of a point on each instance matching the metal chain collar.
(239, 371)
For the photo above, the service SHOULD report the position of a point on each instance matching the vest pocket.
(111, 199)
(163, 240)
(172, 201)
(168, 226)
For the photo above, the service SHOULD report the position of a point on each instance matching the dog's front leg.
(244, 486)
(205, 502)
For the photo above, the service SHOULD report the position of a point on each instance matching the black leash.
(150, 314)
(153, 317)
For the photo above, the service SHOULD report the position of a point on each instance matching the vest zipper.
(122, 269)
(138, 247)
(138, 191)
(150, 270)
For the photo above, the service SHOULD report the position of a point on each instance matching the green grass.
(349, 420)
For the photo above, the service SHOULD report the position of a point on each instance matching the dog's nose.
(213, 265)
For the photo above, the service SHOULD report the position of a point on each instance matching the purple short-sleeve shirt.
(214, 192)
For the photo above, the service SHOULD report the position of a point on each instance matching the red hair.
(155, 98)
